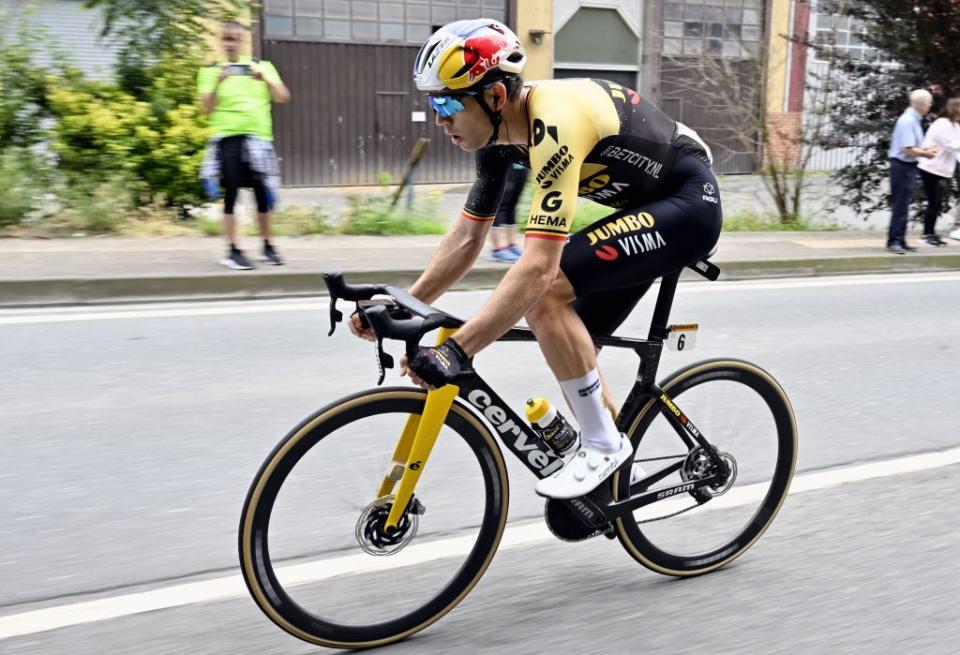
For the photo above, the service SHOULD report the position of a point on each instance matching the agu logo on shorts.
(634, 235)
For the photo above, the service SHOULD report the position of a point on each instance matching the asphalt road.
(129, 435)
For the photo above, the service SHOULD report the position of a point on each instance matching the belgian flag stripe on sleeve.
(475, 217)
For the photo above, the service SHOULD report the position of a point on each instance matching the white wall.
(76, 30)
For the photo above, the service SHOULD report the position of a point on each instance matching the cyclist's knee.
(554, 300)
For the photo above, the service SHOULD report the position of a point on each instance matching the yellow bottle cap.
(536, 409)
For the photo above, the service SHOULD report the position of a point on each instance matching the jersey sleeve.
(270, 73)
(493, 163)
(207, 79)
(562, 139)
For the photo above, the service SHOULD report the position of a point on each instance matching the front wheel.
(745, 414)
(312, 549)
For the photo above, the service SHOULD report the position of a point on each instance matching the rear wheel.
(313, 548)
(745, 414)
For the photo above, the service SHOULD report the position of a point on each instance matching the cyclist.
(587, 138)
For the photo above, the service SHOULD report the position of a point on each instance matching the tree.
(918, 42)
(729, 93)
(150, 30)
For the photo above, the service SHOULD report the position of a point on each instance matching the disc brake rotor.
(699, 464)
(371, 531)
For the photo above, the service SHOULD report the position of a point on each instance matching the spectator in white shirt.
(944, 133)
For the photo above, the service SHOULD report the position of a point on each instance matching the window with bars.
(402, 22)
(841, 33)
(724, 28)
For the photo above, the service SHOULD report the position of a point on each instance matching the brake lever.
(384, 361)
(335, 315)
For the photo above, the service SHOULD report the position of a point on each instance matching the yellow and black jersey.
(589, 138)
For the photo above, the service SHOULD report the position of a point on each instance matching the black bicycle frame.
(598, 508)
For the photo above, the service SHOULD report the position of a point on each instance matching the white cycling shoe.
(585, 471)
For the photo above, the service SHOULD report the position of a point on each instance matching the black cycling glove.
(443, 364)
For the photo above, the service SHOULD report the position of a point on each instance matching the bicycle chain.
(677, 513)
(668, 516)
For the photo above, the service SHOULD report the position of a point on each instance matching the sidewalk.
(108, 269)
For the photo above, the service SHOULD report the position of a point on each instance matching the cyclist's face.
(469, 127)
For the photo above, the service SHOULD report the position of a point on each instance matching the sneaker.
(504, 256)
(515, 249)
(271, 257)
(236, 260)
(896, 249)
(585, 471)
(940, 241)
(955, 234)
(930, 240)
(907, 248)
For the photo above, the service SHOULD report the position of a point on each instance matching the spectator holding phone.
(236, 93)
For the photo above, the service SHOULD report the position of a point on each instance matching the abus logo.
(544, 461)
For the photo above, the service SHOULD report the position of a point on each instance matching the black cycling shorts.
(235, 173)
(613, 262)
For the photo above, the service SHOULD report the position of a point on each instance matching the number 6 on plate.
(682, 337)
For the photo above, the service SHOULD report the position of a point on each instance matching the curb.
(39, 293)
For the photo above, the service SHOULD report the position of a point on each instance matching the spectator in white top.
(944, 134)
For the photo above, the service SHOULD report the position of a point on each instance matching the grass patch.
(372, 215)
(746, 221)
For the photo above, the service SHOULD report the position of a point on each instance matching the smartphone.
(238, 69)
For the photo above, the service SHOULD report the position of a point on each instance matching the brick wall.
(783, 138)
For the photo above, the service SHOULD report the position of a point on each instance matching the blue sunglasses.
(447, 106)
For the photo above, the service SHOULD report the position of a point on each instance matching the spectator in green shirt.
(236, 93)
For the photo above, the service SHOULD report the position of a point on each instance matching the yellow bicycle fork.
(415, 444)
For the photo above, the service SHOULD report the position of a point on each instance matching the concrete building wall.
(536, 16)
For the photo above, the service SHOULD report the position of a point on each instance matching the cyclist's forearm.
(520, 289)
(456, 254)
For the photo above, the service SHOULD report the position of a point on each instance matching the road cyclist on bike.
(582, 137)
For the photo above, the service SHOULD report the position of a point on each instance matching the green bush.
(158, 144)
(23, 86)
(23, 183)
(98, 207)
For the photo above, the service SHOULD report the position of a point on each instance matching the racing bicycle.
(375, 516)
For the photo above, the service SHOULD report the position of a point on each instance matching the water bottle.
(550, 425)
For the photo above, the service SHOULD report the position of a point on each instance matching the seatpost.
(661, 313)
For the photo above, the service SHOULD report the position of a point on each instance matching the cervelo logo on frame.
(546, 461)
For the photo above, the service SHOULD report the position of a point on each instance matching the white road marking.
(321, 304)
(225, 588)
(252, 307)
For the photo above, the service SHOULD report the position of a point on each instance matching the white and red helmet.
(462, 54)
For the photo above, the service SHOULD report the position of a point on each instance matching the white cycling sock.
(597, 429)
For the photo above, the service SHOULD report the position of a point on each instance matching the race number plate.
(682, 337)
